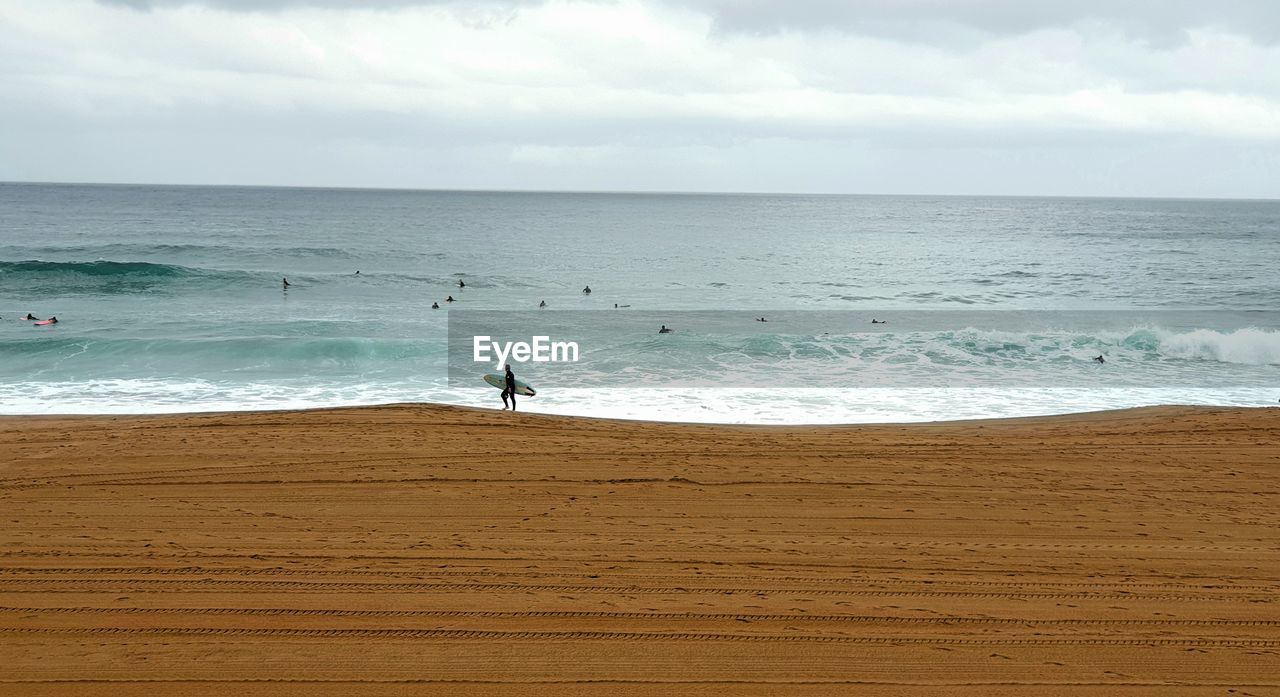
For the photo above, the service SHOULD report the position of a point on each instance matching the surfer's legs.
(504, 399)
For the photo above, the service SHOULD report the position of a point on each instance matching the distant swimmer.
(435, 306)
(461, 284)
(877, 321)
(586, 291)
(285, 281)
(30, 316)
(357, 272)
(542, 304)
(762, 320)
(1100, 359)
(665, 330)
(449, 299)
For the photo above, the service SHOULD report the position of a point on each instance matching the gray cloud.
(281, 5)
(1162, 22)
(926, 21)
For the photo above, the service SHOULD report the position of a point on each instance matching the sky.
(1177, 98)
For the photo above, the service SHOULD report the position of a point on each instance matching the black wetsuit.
(510, 390)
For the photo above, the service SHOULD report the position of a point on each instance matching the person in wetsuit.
(509, 390)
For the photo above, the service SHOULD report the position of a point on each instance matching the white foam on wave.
(1248, 346)
(719, 405)
(873, 405)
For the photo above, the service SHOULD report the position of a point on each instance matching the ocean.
(170, 299)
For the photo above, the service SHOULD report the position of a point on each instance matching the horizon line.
(631, 192)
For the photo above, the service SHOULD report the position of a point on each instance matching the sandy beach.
(437, 550)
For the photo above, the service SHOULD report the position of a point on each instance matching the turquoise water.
(170, 299)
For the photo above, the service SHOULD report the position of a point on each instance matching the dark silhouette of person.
(286, 283)
(1100, 359)
(461, 284)
(665, 330)
(449, 299)
(542, 304)
(509, 390)
(586, 291)
(30, 316)
(435, 306)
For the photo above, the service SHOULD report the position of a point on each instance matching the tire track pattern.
(193, 585)
(481, 634)
(602, 614)
(427, 573)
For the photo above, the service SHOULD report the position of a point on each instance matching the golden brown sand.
(433, 550)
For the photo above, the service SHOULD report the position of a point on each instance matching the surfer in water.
(877, 321)
(30, 316)
(1100, 359)
(285, 282)
(449, 299)
(461, 284)
(435, 306)
(542, 304)
(586, 291)
(509, 390)
(665, 330)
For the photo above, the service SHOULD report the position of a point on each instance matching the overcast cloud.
(1176, 98)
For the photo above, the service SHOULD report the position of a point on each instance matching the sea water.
(171, 299)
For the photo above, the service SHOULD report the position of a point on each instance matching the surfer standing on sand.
(510, 389)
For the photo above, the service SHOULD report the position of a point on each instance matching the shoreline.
(1084, 414)
(428, 549)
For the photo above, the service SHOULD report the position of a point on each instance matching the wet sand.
(411, 550)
